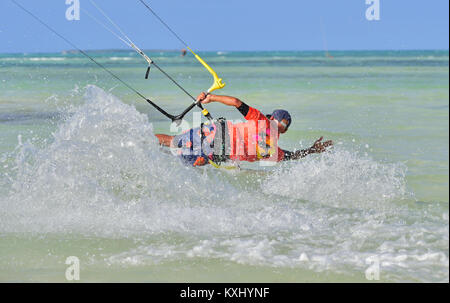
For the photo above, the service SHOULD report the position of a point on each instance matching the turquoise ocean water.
(81, 173)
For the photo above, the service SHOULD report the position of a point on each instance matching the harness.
(269, 151)
(217, 159)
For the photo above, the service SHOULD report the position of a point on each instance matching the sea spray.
(340, 178)
(103, 177)
(103, 172)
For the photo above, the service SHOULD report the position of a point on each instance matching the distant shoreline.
(64, 52)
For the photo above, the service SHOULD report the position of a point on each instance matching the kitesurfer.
(253, 140)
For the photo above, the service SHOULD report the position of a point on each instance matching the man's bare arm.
(317, 148)
(227, 100)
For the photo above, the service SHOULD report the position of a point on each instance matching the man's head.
(283, 118)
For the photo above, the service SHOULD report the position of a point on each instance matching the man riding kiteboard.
(254, 140)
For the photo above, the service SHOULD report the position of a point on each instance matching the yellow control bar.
(218, 82)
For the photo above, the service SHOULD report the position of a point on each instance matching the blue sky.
(233, 25)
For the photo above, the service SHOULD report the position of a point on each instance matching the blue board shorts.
(205, 141)
(195, 143)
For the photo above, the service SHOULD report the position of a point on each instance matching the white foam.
(103, 175)
(45, 59)
(120, 58)
(340, 178)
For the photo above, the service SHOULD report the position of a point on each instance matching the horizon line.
(227, 51)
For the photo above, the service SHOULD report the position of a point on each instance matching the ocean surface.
(81, 173)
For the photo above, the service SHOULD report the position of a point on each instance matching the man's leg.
(165, 140)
